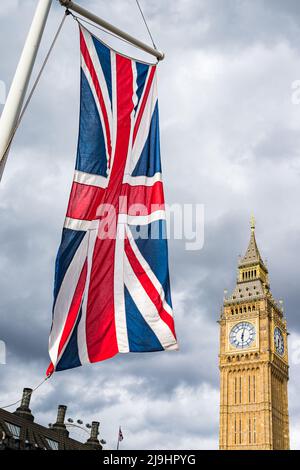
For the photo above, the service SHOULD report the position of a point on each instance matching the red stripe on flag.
(100, 317)
(50, 370)
(143, 103)
(84, 201)
(148, 286)
(91, 68)
(143, 200)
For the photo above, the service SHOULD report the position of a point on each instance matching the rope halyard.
(26, 395)
(146, 24)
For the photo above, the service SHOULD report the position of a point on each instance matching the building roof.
(18, 431)
(250, 290)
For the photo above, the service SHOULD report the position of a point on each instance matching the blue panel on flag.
(153, 246)
(141, 337)
(149, 161)
(70, 357)
(103, 53)
(70, 242)
(91, 151)
(142, 71)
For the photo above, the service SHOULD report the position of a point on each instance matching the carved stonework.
(253, 362)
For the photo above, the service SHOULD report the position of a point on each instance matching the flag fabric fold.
(112, 290)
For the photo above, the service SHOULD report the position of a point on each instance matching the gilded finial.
(252, 221)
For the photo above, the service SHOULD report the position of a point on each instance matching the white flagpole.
(16, 95)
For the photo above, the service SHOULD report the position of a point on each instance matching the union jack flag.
(112, 291)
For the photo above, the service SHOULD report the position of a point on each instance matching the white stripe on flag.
(120, 312)
(81, 331)
(114, 105)
(149, 272)
(99, 72)
(90, 179)
(65, 297)
(147, 309)
(145, 306)
(144, 127)
(101, 79)
(77, 224)
(142, 180)
(142, 219)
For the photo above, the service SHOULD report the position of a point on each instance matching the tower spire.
(252, 222)
(252, 255)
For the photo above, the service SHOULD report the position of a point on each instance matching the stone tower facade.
(253, 361)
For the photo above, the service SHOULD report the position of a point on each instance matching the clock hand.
(242, 337)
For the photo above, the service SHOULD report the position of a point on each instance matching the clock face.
(242, 335)
(278, 341)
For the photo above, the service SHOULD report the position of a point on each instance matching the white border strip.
(77, 224)
(90, 179)
(81, 331)
(142, 219)
(99, 72)
(119, 296)
(145, 123)
(142, 180)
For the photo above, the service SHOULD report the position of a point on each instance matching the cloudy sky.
(230, 136)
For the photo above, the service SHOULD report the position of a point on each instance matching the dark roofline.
(36, 434)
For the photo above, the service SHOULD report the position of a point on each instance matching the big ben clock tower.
(253, 361)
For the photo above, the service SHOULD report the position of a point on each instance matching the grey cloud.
(229, 141)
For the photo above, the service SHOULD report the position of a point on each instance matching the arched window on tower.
(249, 430)
(240, 385)
(254, 429)
(235, 430)
(240, 430)
(249, 388)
